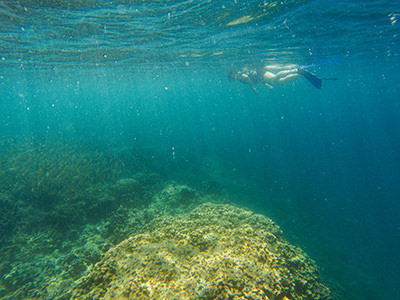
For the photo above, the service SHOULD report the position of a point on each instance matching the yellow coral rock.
(216, 251)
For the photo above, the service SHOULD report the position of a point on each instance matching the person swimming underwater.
(273, 75)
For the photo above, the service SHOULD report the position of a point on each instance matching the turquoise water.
(151, 76)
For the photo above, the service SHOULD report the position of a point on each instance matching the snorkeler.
(273, 75)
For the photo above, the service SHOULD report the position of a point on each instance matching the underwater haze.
(149, 79)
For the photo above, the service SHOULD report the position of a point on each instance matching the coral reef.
(44, 250)
(135, 191)
(43, 174)
(176, 199)
(158, 200)
(42, 265)
(50, 194)
(217, 251)
(78, 223)
(9, 218)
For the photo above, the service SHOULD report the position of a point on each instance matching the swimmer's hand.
(268, 86)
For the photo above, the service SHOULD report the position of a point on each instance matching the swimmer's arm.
(268, 85)
(246, 79)
(254, 89)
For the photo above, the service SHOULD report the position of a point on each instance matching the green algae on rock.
(217, 251)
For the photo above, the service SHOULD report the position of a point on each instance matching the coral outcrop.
(77, 223)
(217, 251)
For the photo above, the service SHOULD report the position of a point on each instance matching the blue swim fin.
(315, 80)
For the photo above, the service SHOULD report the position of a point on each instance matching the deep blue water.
(324, 164)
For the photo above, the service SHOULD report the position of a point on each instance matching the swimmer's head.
(232, 75)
